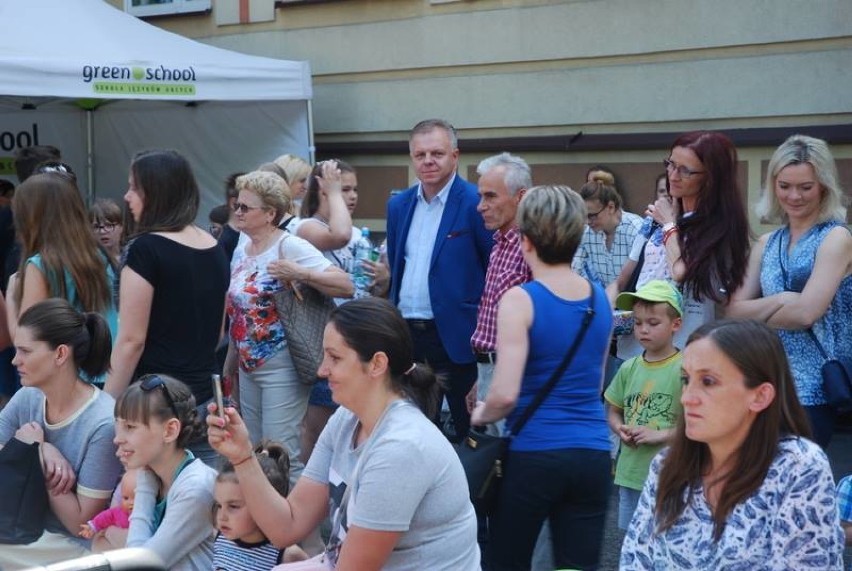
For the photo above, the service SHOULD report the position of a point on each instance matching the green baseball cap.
(655, 291)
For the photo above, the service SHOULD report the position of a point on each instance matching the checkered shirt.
(506, 269)
(595, 262)
(844, 498)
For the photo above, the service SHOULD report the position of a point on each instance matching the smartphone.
(218, 396)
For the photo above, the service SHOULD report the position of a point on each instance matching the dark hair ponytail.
(274, 462)
(370, 325)
(56, 323)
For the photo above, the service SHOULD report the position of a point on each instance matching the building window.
(158, 7)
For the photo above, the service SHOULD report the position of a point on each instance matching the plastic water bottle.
(363, 251)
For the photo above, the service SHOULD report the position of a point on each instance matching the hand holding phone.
(218, 397)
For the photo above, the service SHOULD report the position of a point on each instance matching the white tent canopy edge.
(224, 110)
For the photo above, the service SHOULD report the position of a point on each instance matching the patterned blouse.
(784, 270)
(790, 522)
(255, 327)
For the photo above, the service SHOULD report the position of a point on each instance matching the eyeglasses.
(243, 208)
(592, 216)
(149, 383)
(682, 171)
(104, 228)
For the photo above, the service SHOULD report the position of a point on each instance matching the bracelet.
(668, 234)
(243, 461)
(668, 226)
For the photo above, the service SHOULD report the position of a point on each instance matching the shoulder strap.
(557, 374)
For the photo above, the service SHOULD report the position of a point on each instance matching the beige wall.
(528, 68)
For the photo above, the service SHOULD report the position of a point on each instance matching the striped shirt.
(238, 555)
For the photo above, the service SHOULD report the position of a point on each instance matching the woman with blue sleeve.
(69, 418)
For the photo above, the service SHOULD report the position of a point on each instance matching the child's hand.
(86, 531)
(646, 435)
(625, 433)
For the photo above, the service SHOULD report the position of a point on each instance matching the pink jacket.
(113, 516)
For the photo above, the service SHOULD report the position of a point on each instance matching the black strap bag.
(23, 503)
(482, 455)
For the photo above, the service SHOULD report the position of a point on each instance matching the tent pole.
(312, 150)
(90, 156)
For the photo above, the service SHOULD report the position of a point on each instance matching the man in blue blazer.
(438, 250)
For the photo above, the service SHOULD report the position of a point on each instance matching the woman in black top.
(172, 283)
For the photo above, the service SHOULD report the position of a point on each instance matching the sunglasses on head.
(55, 167)
(149, 383)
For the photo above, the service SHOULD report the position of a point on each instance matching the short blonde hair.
(552, 217)
(294, 167)
(796, 150)
(270, 188)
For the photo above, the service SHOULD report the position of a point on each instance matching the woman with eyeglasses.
(610, 230)
(71, 420)
(107, 220)
(272, 398)
(172, 284)
(799, 278)
(699, 239)
(155, 420)
(60, 256)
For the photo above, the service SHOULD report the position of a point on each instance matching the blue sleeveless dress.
(833, 329)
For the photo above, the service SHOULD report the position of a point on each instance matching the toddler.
(240, 544)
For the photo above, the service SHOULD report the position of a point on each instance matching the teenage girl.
(240, 544)
(155, 420)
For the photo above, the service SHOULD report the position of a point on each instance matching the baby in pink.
(118, 516)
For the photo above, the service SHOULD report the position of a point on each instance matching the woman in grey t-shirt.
(394, 486)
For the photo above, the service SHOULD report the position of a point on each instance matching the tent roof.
(88, 48)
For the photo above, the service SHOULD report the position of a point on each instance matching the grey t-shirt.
(411, 481)
(84, 439)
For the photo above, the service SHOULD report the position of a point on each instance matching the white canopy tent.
(101, 84)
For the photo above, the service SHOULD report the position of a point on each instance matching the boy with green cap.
(644, 396)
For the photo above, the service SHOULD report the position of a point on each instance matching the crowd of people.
(706, 403)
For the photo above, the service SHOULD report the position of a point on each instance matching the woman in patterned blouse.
(741, 487)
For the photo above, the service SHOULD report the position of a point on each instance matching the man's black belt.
(490, 357)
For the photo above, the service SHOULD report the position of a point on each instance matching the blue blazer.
(459, 262)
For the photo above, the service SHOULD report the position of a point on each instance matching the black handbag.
(836, 378)
(23, 503)
(482, 455)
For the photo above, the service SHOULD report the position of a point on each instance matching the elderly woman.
(393, 483)
(740, 487)
(272, 398)
(799, 277)
(558, 466)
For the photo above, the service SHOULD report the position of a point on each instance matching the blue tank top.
(572, 415)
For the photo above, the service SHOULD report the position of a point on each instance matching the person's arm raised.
(284, 521)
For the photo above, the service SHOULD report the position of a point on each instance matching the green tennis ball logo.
(138, 73)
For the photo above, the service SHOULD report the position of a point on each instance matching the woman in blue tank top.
(558, 466)
(799, 278)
